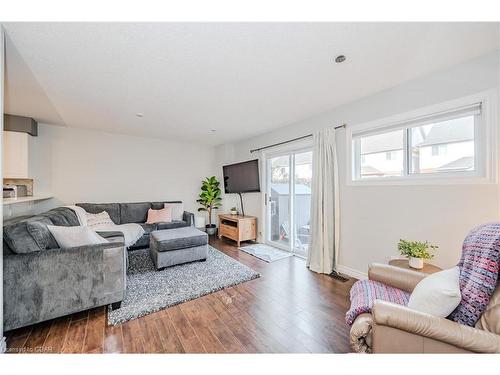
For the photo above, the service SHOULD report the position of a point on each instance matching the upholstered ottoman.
(170, 247)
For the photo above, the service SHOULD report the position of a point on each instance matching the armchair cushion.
(438, 294)
(440, 329)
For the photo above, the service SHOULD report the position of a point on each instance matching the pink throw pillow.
(159, 216)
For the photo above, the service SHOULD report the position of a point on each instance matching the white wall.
(76, 165)
(374, 218)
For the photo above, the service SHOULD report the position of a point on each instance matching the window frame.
(484, 144)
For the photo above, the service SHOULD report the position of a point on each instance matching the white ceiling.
(242, 79)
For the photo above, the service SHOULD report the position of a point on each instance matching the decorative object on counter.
(234, 211)
(10, 191)
(210, 200)
(23, 186)
(416, 252)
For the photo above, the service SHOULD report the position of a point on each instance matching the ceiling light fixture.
(213, 130)
(139, 114)
(339, 59)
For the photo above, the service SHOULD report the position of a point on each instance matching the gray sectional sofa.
(42, 281)
(123, 213)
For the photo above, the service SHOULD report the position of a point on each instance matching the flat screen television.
(241, 177)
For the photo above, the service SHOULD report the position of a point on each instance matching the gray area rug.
(150, 290)
(265, 252)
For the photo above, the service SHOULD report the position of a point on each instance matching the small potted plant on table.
(416, 252)
(234, 211)
(210, 200)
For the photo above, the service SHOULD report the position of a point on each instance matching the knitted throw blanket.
(365, 292)
(479, 268)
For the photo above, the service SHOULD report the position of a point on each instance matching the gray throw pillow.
(41, 234)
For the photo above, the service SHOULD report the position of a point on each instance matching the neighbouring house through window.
(445, 143)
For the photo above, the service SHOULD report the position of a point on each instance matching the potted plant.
(416, 252)
(210, 200)
(234, 211)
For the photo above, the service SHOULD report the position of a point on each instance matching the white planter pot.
(417, 263)
(234, 212)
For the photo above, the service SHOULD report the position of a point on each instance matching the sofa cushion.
(41, 234)
(179, 238)
(62, 216)
(22, 239)
(17, 236)
(134, 212)
(113, 209)
(172, 225)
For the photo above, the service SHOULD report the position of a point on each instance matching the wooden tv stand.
(238, 228)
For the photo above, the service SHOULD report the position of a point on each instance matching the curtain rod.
(290, 140)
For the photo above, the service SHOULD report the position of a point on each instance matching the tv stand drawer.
(229, 231)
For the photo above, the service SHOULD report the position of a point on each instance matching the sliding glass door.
(288, 200)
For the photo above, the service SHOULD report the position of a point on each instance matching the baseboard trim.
(352, 272)
(3, 345)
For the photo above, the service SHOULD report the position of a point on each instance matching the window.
(445, 143)
(438, 150)
(443, 146)
(391, 155)
(382, 154)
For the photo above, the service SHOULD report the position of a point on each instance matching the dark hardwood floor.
(287, 310)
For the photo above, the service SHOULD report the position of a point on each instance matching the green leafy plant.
(416, 249)
(210, 196)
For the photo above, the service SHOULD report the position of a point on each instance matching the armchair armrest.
(433, 327)
(395, 276)
(188, 217)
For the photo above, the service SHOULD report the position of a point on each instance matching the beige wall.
(77, 165)
(374, 218)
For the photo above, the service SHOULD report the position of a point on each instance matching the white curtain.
(324, 224)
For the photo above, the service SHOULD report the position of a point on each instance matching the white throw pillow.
(438, 294)
(177, 210)
(67, 237)
(96, 220)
